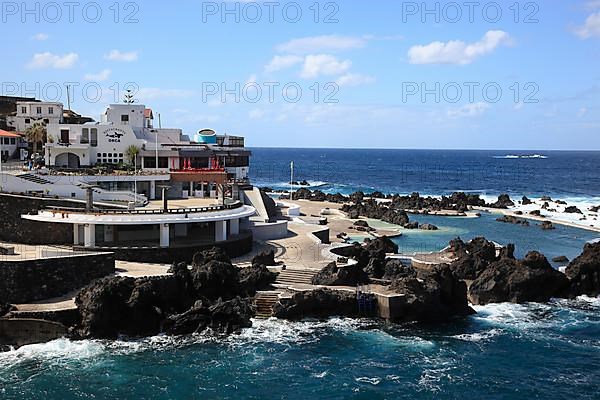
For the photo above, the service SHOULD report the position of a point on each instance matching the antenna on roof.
(69, 97)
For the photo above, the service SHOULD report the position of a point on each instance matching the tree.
(35, 134)
(132, 152)
(128, 98)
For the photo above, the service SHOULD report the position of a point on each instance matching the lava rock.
(584, 272)
(436, 295)
(254, 278)
(509, 219)
(428, 227)
(573, 210)
(266, 258)
(362, 223)
(525, 201)
(381, 244)
(348, 275)
(222, 317)
(5, 309)
(318, 303)
(547, 225)
(510, 280)
(394, 270)
(503, 202)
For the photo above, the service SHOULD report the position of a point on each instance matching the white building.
(30, 112)
(195, 168)
(9, 142)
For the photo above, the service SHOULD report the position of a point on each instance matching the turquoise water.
(505, 352)
(563, 240)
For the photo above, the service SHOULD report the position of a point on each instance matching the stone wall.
(15, 229)
(234, 248)
(26, 281)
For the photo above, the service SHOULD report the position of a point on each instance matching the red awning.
(9, 134)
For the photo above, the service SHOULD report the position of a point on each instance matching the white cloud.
(591, 27)
(278, 63)
(468, 110)
(49, 60)
(40, 36)
(116, 55)
(323, 64)
(351, 79)
(317, 44)
(457, 51)
(99, 77)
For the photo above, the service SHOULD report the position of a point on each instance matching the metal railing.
(154, 211)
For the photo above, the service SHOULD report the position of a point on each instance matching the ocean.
(505, 351)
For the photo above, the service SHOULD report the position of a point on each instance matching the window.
(64, 136)
(27, 121)
(98, 155)
(120, 155)
(94, 138)
(39, 110)
(104, 155)
(124, 119)
(85, 136)
(23, 110)
(13, 141)
(50, 110)
(46, 121)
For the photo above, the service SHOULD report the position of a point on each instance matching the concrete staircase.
(295, 276)
(34, 179)
(264, 302)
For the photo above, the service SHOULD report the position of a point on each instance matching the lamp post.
(291, 180)
(135, 180)
(156, 155)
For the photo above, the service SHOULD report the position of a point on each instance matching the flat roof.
(140, 219)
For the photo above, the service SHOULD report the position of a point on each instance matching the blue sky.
(370, 61)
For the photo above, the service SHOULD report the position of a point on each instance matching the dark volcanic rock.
(504, 201)
(394, 269)
(584, 272)
(536, 213)
(561, 260)
(145, 306)
(510, 280)
(525, 201)
(362, 223)
(547, 225)
(332, 275)
(223, 317)
(266, 258)
(412, 225)
(435, 295)
(254, 278)
(509, 219)
(382, 244)
(573, 210)
(5, 309)
(428, 227)
(102, 307)
(318, 303)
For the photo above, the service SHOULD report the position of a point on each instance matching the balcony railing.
(153, 211)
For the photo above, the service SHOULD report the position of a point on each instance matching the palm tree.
(132, 152)
(35, 134)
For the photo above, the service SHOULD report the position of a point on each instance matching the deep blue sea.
(506, 351)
